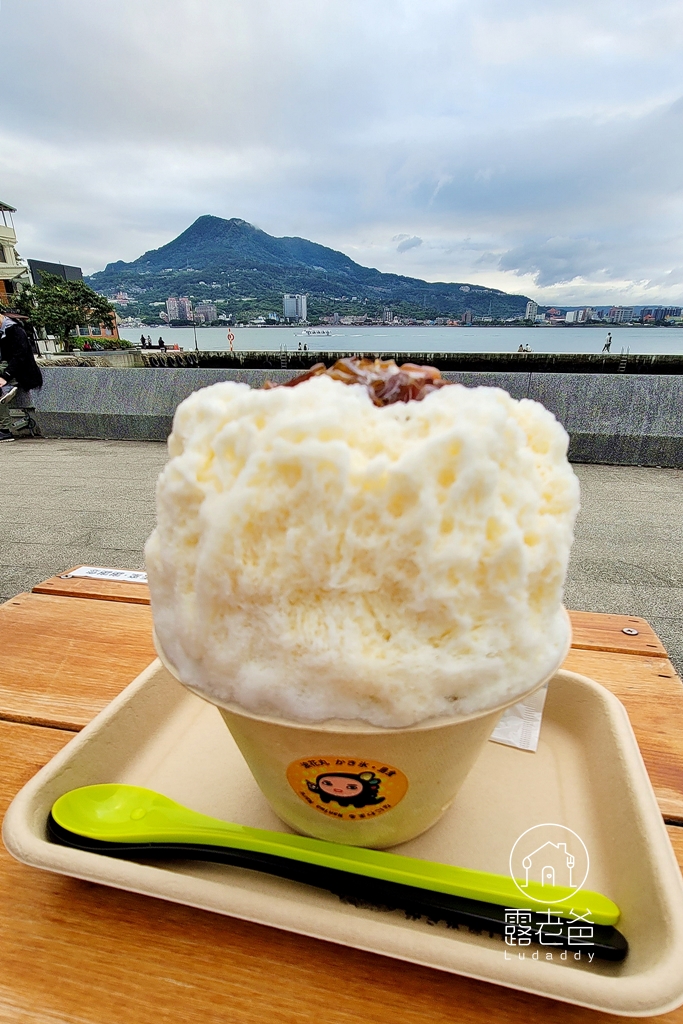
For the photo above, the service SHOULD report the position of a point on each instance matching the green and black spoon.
(134, 823)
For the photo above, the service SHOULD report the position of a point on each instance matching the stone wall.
(633, 420)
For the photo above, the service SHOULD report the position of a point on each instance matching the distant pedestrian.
(18, 369)
(149, 341)
(608, 342)
(305, 348)
(162, 345)
(521, 348)
(143, 343)
(527, 348)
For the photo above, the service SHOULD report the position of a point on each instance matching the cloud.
(555, 260)
(408, 243)
(532, 147)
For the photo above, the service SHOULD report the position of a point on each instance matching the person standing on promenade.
(608, 342)
(18, 369)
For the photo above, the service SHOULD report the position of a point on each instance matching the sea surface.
(640, 340)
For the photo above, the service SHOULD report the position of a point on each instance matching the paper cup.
(355, 783)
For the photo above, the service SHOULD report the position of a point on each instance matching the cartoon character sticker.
(349, 788)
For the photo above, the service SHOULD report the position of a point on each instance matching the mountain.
(246, 270)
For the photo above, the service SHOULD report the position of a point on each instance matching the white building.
(294, 307)
(13, 271)
(531, 310)
(621, 314)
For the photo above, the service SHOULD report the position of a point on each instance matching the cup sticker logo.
(348, 788)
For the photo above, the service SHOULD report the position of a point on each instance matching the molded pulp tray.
(587, 775)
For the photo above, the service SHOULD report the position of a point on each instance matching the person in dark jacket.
(18, 369)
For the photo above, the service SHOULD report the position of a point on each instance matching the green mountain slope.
(246, 271)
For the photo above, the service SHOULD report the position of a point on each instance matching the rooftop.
(64, 503)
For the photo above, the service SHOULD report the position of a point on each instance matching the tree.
(61, 306)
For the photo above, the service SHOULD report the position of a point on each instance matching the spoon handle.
(132, 814)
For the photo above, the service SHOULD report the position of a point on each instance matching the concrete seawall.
(629, 419)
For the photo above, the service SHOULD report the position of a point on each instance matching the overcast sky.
(534, 146)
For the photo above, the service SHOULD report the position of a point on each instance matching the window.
(3, 258)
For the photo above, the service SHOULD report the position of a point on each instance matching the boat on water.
(316, 332)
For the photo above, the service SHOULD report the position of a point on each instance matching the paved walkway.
(68, 502)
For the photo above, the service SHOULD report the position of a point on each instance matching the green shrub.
(102, 343)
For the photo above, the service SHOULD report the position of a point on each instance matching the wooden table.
(76, 952)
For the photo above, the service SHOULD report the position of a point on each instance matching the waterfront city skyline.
(533, 150)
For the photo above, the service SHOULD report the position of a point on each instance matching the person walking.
(608, 342)
(18, 369)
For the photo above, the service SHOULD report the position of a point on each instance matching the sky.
(535, 147)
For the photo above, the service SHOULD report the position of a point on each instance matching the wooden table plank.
(591, 630)
(97, 590)
(74, 951)
(652, 694)
(595, 631)
(89, 650)
(64, 660)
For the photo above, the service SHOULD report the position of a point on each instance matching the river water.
(640, 340)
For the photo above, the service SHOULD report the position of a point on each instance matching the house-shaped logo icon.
(550, 864)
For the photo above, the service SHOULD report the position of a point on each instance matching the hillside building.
(531, 310)
(13, 270)
(179, 308)
(206, 312)
(294, 307)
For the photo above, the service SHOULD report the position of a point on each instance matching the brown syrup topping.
(386, 382)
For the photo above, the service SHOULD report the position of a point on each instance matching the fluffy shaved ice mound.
(318, 557)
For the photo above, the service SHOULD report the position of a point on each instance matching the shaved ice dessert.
(374, 544)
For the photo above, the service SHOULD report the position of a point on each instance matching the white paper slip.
(93, 572)
(520, 725)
